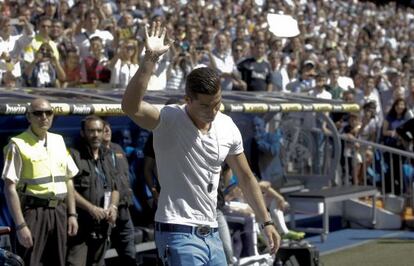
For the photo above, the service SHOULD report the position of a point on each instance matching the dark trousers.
(49, 231)
(89, 246)
(122, 238)
(87, 252)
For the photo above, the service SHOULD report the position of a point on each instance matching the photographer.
(178, 70)
(45, 70)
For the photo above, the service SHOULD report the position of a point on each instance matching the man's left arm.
(113, 208)
(248, 184)
(71, 171)
(71, 205)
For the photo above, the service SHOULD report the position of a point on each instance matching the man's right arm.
(13, 202)
(142, 113)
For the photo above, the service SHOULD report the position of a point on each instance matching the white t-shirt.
(187, 162)
(82, 40)
(225, 64)
(122, 73)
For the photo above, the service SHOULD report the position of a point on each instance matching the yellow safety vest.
(44, 170)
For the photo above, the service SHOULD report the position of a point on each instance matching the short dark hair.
(42, 19)
(203, 80)
(90, 118)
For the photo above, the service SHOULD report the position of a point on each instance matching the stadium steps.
(358, 212)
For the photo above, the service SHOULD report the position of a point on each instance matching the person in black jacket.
(122, 235)
(96, 196)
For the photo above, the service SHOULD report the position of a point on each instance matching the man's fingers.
(146, 31)
(162, 33)
(153, 25)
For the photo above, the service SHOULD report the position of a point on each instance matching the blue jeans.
(184, 249)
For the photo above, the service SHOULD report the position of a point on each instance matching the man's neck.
(41, 135)
(203, 127)
(95, 153)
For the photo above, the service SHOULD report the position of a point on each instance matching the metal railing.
(315, 153)
(391, 170)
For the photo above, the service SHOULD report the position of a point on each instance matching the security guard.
(96, 196)
(38, 175)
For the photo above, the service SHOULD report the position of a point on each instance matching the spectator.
(352, 154)
(43, 209)
(44, 25)
(178, 70)
(369, 123)
(319, 91)
(265, 158)
(50, 9)
(11, 45)
(127, 27)
(8, 80)
(370, 94)
(58, 35)
(397, 115)
(255, 71)
(64, 14)
(45, 70)
(86, 30)
(96, 196)
(124, 64)
(122, 235)
(222, 60)
(72, 68)
(395, 91)
(305, 81)
(94, 66)
(279, 73)
(334, 88)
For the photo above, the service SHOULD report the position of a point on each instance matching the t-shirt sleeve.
(168, 115)
(237, 145)
(71, 169)
(12, 163)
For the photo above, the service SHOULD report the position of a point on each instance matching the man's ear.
(187, 99)
(28, 116)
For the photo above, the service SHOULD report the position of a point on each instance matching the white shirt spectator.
(82, 40)
(122, 73)
(225, 64)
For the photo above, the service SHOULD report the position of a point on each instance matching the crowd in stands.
(352, 51)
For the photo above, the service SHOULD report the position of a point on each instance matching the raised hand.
(155, 39)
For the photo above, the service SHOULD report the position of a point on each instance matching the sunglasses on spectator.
(40, 113)
(130, 47)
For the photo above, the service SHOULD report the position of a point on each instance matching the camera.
(46, 53)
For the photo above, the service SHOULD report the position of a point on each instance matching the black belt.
(202, 230)
(31, 201)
